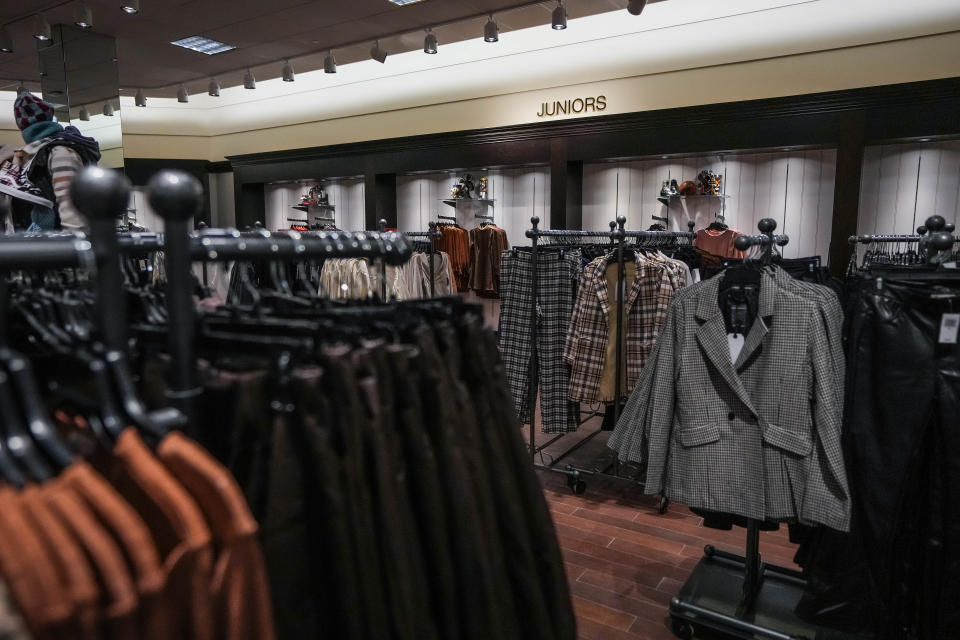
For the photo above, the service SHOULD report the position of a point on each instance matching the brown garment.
(455, 242)
(74, 571)
(608, 382)
(719, 243)
(179, 530)
(487, 242)
(241, 595)
(118, 594)
(12, 626)
(130, 532)
(29, 573)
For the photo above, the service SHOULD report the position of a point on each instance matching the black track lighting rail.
(547, 5)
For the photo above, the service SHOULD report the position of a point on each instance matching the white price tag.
(949, 326)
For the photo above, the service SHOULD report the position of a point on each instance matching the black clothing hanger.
(16, 439)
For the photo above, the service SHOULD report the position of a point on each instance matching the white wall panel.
(904, 184)
(795, 188)
(346, 194)
(518, 194)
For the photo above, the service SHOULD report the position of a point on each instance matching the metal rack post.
(534, 235)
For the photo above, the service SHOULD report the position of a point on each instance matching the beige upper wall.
(735, 50)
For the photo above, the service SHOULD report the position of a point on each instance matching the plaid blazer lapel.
(639, 282)
(601, 287)
(712, 338)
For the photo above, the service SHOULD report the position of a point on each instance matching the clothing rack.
(741, 596)
(933, 237)
(432, 236)
(617, 234)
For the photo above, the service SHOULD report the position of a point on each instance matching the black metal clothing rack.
(432, 236)
(617, 235)
(933, 237)
(741, 596)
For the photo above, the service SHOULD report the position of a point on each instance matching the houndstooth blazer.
(644, 311)
(759, 437)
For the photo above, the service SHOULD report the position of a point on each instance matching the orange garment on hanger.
(130, 532)
(239, 587)
(179, 530)
(74, 571)
(29, 573)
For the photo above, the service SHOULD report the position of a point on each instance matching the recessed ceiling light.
(403, 3)
(130, 6)
(41, 28)
(203, 45)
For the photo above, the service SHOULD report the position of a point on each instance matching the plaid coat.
(759, 437)
(644, 311)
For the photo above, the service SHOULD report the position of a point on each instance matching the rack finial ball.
(782, 240)
(613, 225)
(99, 192)
(742, 243)
(621, 220)
(941, 241)
(175, 195)
(535, 220)
(382, 224)
(935, 223)
(691, 224)
(767, 225)
(949, 227)
(921, 230)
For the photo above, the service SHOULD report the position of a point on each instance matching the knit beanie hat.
(29, 109)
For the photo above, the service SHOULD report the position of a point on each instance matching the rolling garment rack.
(102, 195)
(618, 235)
(935, 233)
(176, 196)
(741, 596)
(432, 235)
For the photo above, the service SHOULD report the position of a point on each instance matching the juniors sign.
(570, 107)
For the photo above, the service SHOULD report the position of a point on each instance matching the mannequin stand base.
(710, 597)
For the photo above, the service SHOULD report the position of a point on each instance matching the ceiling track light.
(84, 114)
(329, 63)
(635, 7)
(249, 82)
(83, 15)
(559, 16)
(182, 95)
(430, 43)
(288, 74)
(213, 89)
(6, 40)
(491, 30)
(108, 109)
(140, 99)
(378, 53)
(41, 28)
(130, 6)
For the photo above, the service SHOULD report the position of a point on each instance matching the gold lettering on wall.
(571, 107)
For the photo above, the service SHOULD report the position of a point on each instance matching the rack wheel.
(681, 628)
(576, 484)
(663, 504)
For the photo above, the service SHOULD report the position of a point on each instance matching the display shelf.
(322, 207)
(671, 198)
(454, 201)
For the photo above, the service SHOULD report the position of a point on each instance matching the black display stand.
(741, 597)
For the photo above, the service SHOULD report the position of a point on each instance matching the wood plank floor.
(624, 561)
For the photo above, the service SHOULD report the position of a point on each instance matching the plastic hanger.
(18, 442)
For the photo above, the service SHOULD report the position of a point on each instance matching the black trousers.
(898, 570)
